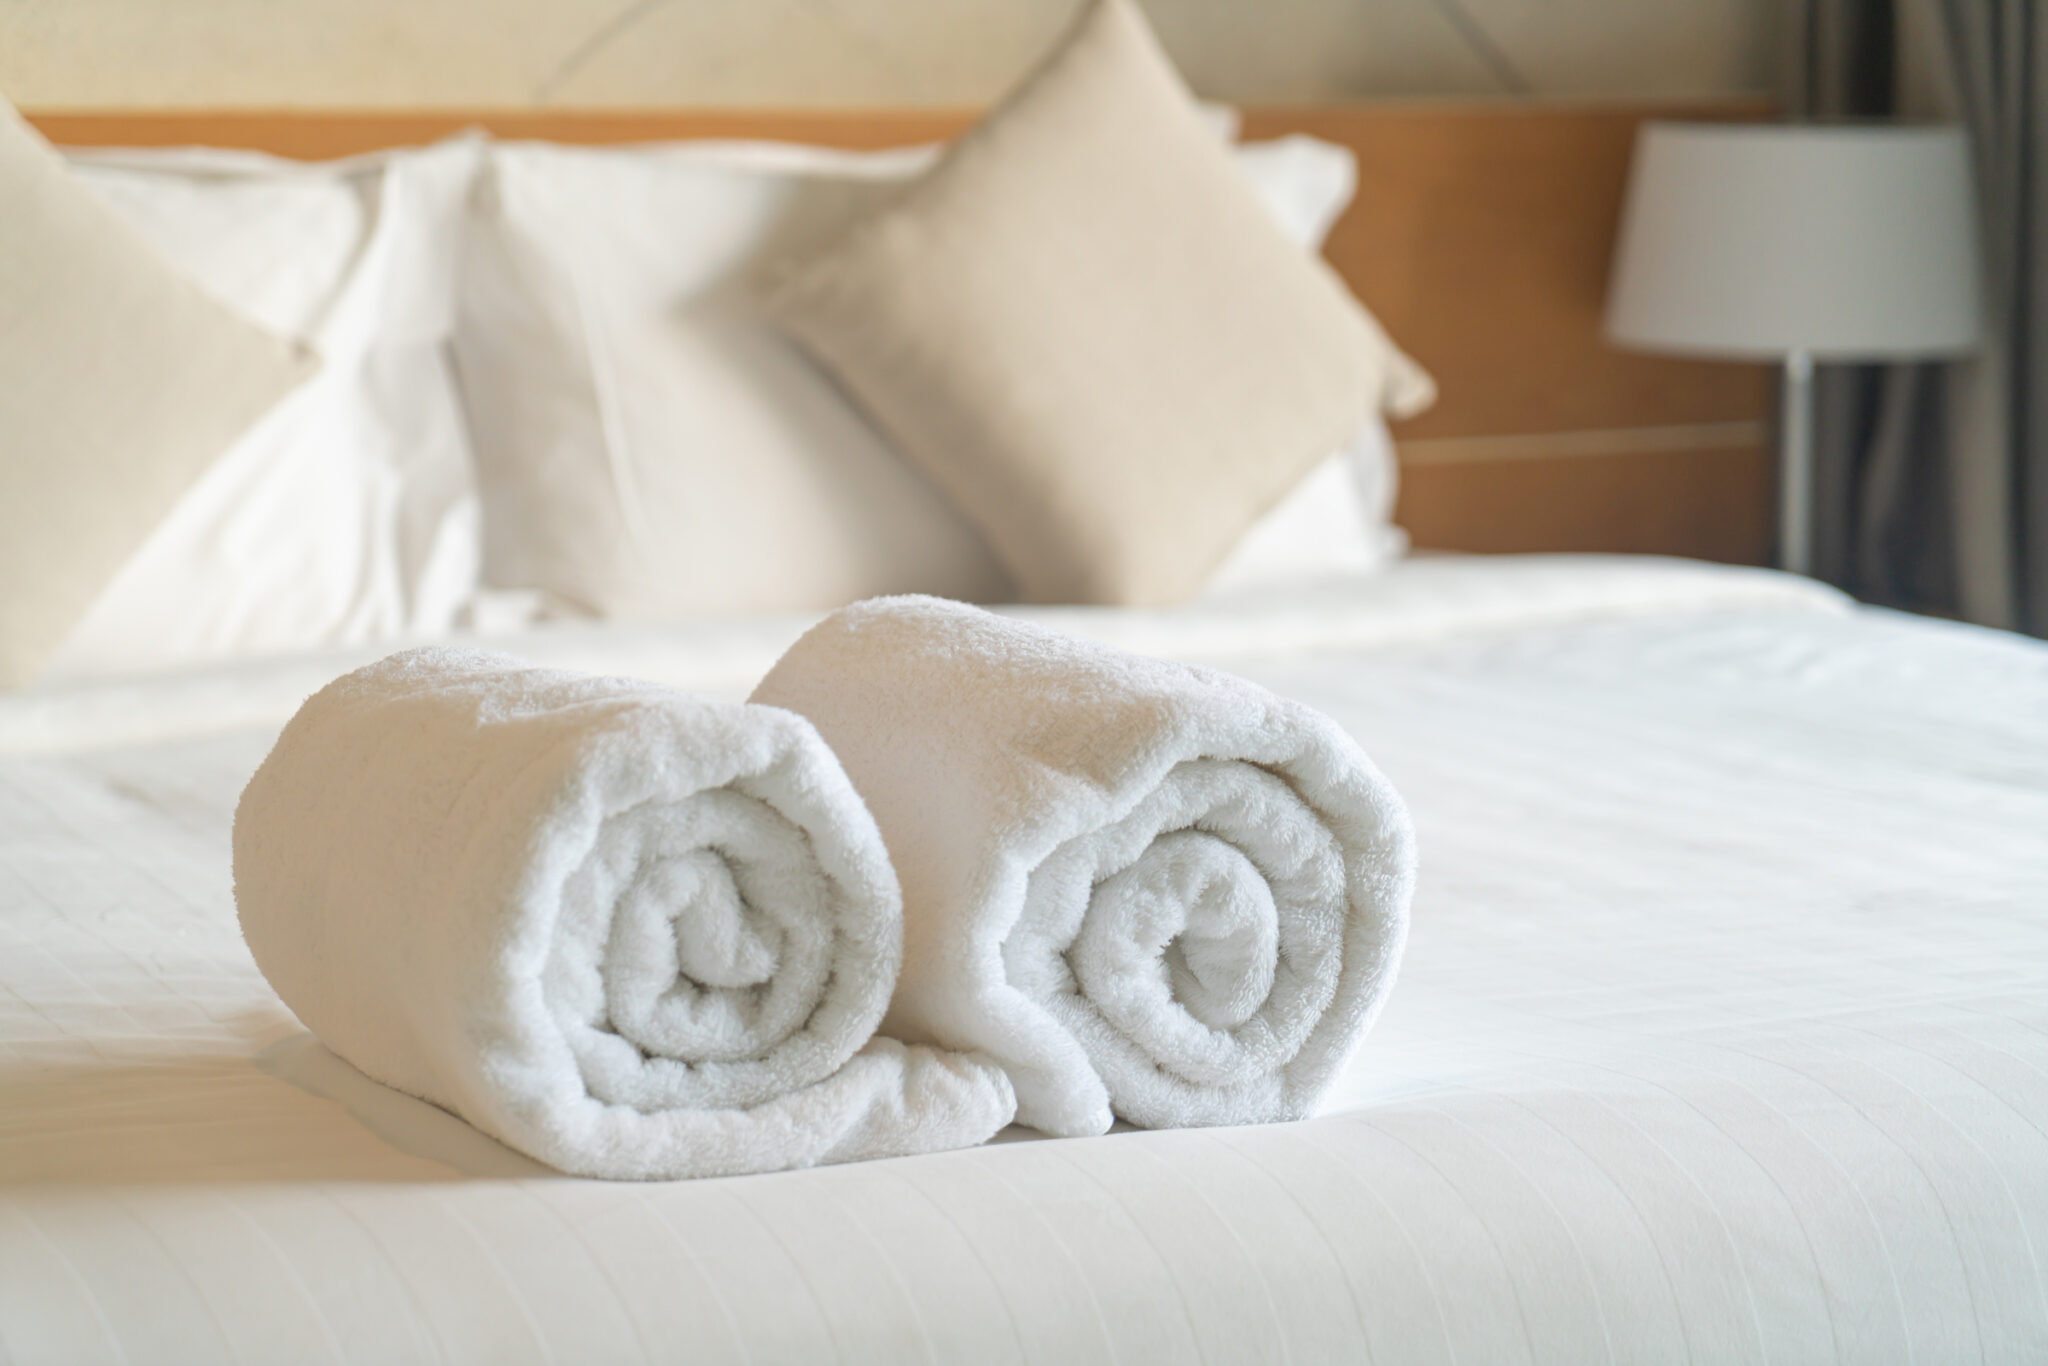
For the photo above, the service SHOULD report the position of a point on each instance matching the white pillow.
(348, 514)
(1337, 521)
(649, 444)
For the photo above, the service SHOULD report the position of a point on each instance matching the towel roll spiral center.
(1157, 938)
(696, 951)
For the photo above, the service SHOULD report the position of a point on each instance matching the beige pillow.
(1087, 330)
(119, 384)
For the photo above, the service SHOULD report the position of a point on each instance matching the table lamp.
(1797, 243)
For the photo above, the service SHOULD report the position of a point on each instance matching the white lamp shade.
(1748, 240)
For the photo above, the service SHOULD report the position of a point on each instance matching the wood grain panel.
(1480, 236)
(319, 134)
(1711, 504)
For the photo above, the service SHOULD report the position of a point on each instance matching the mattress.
(1722, 1036)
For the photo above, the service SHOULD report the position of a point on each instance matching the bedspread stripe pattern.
(1723, 1036)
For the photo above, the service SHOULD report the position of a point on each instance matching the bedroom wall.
(114, 53)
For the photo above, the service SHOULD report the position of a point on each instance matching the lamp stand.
(1795, 464)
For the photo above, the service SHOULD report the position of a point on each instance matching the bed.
(1722, 1034)
(1721, 1037)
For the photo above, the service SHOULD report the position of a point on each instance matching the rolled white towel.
(626, 931)
(1141, 886)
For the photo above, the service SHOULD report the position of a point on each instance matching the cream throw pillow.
(120, 382)
(1085, 328)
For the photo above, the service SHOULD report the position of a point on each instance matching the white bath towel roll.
(1141, 886)
(626, 931)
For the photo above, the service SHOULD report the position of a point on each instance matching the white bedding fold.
(1145, 888)
(1425, 598)
(629, 932)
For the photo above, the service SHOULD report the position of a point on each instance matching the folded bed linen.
(1150, 890)
(626, 931)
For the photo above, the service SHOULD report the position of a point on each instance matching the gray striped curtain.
(1933, 479)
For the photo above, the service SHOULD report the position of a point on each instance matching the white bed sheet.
(1723, 1036)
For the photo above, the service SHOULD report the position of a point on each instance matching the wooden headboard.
(1480, 237)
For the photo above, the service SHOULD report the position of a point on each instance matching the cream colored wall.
(87, 53)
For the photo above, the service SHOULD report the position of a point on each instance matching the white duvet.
(1722, 1036)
